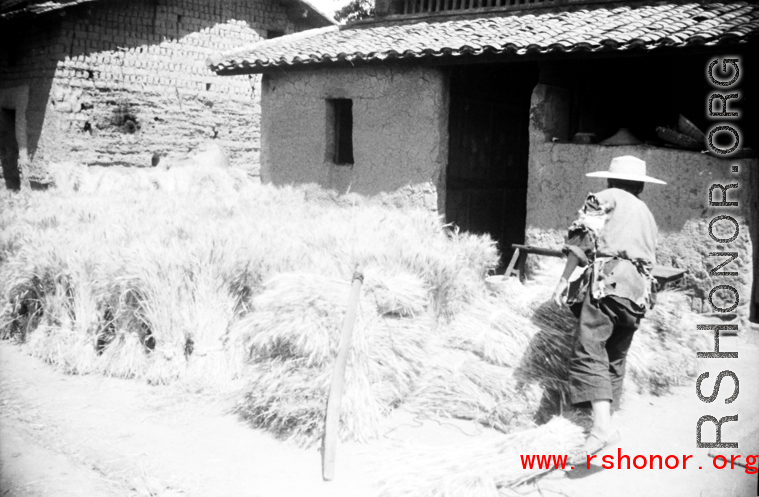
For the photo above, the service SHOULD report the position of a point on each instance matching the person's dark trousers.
(599, 352)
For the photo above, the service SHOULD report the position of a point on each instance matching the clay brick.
(162, 57)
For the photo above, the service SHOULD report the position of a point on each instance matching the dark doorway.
(486, 181)
(9, 149)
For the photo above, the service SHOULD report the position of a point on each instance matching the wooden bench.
(666, 277)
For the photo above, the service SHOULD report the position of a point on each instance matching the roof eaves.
(465, 40)
(214, 62)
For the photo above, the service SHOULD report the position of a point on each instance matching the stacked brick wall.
(116, 82)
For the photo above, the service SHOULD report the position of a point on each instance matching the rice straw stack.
(401, 294)
(165, 275)
(398, 352)
(489, 329)
(459, 385)
(293, 335)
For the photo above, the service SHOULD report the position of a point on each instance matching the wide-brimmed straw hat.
(627, 167)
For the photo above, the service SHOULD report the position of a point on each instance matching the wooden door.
(486, 180)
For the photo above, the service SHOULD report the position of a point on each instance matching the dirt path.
(88, 435)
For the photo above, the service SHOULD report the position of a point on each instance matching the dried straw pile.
(144, 273)
(202, 276)
(293, 334)
(461, 385)
(123, 278)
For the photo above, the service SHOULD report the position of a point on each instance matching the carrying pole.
(335, 398)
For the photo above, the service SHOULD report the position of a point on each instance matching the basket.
(686, 127)
(678, 139)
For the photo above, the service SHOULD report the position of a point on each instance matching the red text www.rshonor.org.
(622, 461)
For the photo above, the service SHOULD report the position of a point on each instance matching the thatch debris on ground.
(203, 276)
(478, 468)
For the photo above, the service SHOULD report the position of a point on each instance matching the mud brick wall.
(400, 137)
(112, 83)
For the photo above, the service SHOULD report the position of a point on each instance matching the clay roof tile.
(597, 28)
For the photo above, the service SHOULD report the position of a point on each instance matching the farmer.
(614, 240)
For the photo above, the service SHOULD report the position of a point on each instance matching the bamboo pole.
(335, 398)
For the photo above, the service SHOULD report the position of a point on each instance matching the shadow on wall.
(26, 79)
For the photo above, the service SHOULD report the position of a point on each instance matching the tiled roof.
(10, 9)
(592, 29)
(14, 8)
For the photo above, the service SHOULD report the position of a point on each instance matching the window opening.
(340, 146)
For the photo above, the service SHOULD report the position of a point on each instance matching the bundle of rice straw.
(289, 398)
(124, 356)
(460, 385)
(398, 353)
(296, 315)
(663, 352)
(478, 468)
(27, 278)
(209, 317)
(156, 280)
(293, 334)
(488, 328)
(545, 361)
(62, 293)
(401, 294)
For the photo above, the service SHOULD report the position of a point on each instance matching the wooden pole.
(335, 398)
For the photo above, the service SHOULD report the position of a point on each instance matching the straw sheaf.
(459, 385)
(295, 326)
(489, 329)
(297, 315)
(401, 294)
(663, 353)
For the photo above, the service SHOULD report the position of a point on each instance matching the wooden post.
(335, 398)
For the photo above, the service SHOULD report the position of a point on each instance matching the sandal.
(593, 445)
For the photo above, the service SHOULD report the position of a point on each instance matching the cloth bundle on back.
(614, 239)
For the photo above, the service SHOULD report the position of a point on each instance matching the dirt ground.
(66, 435)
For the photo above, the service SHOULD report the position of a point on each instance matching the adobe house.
(475, 108)
(114, 82)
